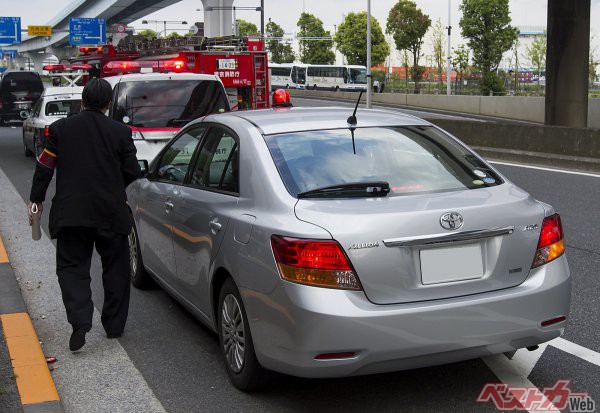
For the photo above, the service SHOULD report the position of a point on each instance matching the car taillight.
(46, 131)
(550, 245)
(314, 262)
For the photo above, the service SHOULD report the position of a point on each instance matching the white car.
(157, 105)
(54, 104)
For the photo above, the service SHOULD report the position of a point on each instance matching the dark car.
(19, 90)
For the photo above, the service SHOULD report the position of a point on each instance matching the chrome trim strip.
(440, 238)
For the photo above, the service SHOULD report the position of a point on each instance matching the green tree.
(316, 50)
(460, 61)
(536, 52)
(173, 35)
(437, 41)
(487, 26)
(408, 24)
(148, 34)
(594, 62)
(245, 28)
(280, 52)
(351, 40)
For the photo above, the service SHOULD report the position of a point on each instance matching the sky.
(287, 12)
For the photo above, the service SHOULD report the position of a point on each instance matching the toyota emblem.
(451, 221)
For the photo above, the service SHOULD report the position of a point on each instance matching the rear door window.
(412, 159)
(217, 165)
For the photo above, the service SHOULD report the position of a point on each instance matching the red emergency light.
(81, 67)
(121, 67)
(90, 49)
(172, 65)
(51, 68)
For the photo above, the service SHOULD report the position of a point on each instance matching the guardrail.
(524, 108)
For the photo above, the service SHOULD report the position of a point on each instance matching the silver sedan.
(320, 245)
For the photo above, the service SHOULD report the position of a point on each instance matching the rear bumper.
(295, 323)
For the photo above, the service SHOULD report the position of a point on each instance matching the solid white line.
(541, 168)
(512, 372)
(576, 350)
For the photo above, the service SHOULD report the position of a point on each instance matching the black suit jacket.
(95, 161)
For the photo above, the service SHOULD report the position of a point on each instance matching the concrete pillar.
(38, 60)
(567, 63)
(20, 62)
(218, 22)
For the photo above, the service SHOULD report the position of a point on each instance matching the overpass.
(217, 21)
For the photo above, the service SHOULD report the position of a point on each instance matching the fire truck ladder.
(260, 81)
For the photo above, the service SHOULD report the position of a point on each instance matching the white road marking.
(541, 168)
(576, 350)
(514, 372)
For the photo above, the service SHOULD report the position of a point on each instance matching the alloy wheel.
(133, 253)
(232, 329)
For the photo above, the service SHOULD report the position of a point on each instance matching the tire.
(314, 87)
(139, 277)
(28, 153)
(246, 374)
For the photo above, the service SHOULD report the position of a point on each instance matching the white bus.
(318, 77)
(287, 75)
(332, 77)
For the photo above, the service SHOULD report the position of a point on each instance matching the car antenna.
(352, 121)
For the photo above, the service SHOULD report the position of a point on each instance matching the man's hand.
(30, 214)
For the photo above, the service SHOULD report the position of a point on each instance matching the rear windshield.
(63, 107)
(412, 159)
(167, 103)
(22, 82)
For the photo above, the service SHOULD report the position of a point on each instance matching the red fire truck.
(240, 63)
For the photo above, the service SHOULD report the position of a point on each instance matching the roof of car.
(274, 121)
(140, 77)
(63, 90)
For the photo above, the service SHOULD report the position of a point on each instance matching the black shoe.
(77, 340)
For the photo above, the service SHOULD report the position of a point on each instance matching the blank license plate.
(442, 265)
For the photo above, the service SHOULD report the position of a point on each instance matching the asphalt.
(9, 396)
(178, 357)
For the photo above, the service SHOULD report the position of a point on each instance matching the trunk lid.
(401, 252)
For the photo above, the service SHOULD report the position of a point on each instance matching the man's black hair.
(96, 94)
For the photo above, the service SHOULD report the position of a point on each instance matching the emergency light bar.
(71, 73)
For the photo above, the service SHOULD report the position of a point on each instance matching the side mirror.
(143, 167)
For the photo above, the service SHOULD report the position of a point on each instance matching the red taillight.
(314, 262)
(550, 245)
(46, 131)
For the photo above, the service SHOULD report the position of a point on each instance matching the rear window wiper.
(352, 189)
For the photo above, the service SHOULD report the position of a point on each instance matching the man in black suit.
(95, 160)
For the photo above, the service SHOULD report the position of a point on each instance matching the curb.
(34, 382)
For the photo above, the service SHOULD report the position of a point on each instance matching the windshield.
(63, 107)
(167, 103)
(358, 76)
(412, 159)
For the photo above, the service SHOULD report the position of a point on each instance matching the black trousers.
(74, 248)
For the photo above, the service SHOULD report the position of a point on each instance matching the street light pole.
(448, 64)
(262, 18)
(369, 78)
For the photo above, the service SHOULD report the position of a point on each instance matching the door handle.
(169, 206)
(215, 226)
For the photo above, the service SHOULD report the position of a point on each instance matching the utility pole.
(448, 64)
(369, 78)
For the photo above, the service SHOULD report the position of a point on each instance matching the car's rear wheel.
(243, 368)
(139, 277)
